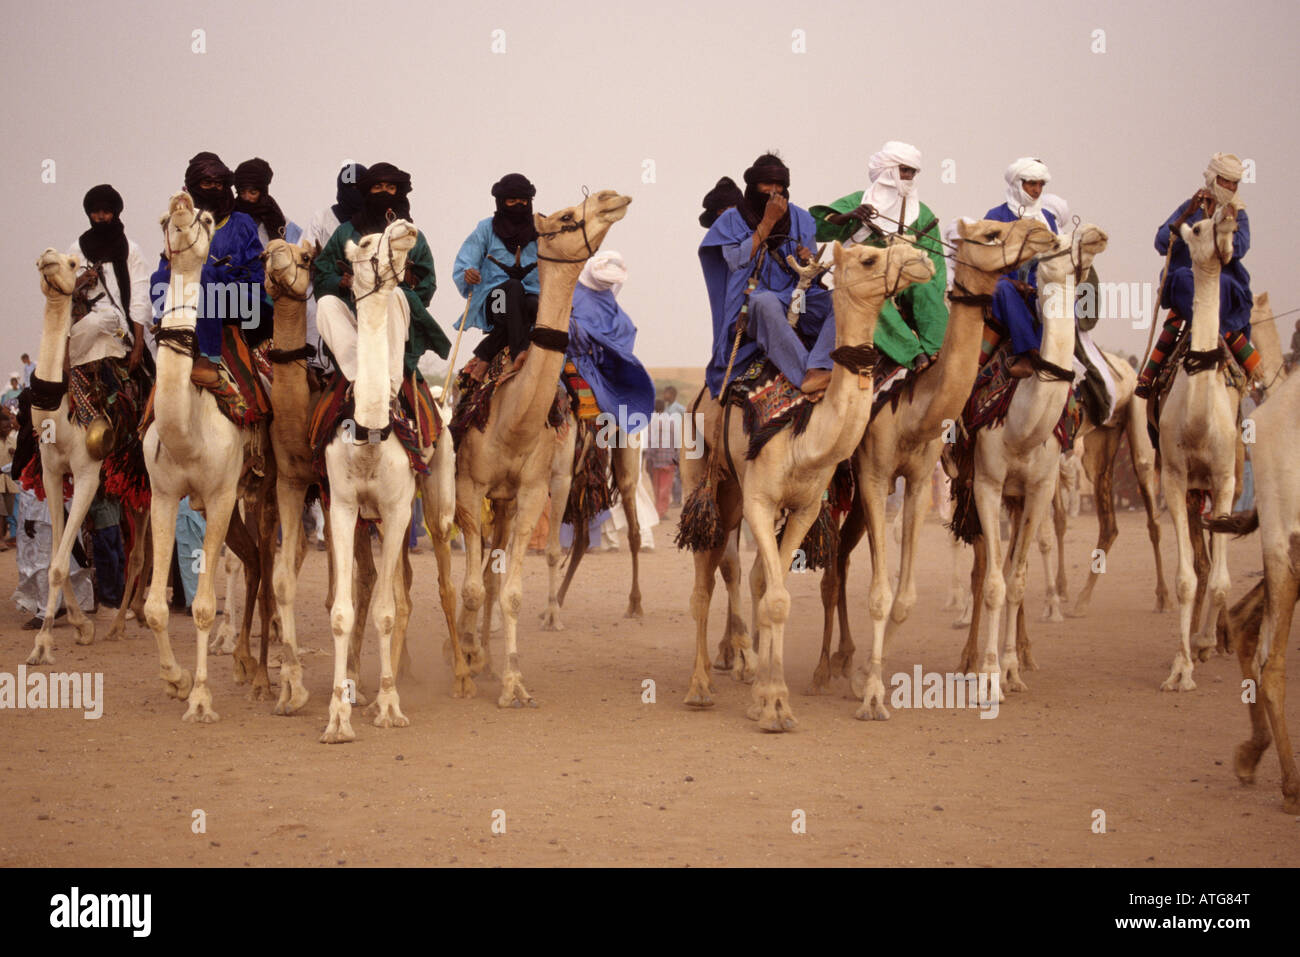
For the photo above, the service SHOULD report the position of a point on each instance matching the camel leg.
(1180, 675)
(988, 501)
(241, 542)
(472, 589)
(745, 671)
(830, 588)
(265, 524)
(1144, 466)
(581, 542)
(1258, 626)
(134, 565)
(870, 685)
(293, 689)
(529, 502)
(1038, 503)
(402, 610)
(343, 538)
(1219, 579)
(700, 693)
(1099, 449)
(204, 608)
(855, 525)
(61, 538)
(979, 565)
(561, 483)
(503, 516)
(963, 597)
(224, 635)
(627, 464)
(771, 698)
(1272, 685)
(439, 489)
(462, 683)
(146, 571)
(1201, 565)
(162, 516)
(385, 609)
(736, 634)
(1060, 513)
(362, 589)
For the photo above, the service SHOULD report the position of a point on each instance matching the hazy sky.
(602, 93)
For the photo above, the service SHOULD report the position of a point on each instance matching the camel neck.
(845, 399)
(174, 401)
(941, 393)
(54, 338)
(371, 390)
(533, 392)
(1205, 304)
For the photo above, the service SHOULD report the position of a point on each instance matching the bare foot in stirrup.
(476, 368)
(815, 383)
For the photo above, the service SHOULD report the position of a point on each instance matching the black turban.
(256, 174)
(768, 168)
(106, 242)
(102, 198)
(514, 225)
(373, 216)
(723, 196)
(219, 202)
(347, 198)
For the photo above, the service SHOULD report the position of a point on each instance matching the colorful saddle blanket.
(580, 393)
(415, 420)
(474, 402)
(768, 402)
(240, 393)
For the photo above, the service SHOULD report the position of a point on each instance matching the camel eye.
(991, 235)
(567, 217)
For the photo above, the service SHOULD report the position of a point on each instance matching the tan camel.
(1198, 435)
(625, 461)
(792, 472)
(1019, 459)
(192, 449)
(1263, 637)
(510, 460)
(904, 441)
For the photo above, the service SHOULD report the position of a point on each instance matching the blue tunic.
(236, 239)
(601, 339)
(1003, 214)
(474, 252)
(725, 259)
(1235, 299)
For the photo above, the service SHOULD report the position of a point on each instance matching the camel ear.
(1261, 300)
(837, 252)
(964, 228)
(538, 221)
(1185, 231)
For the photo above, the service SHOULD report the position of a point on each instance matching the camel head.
(380, 258)
(872, 273)
(1211, 238)
(576, 233)
(58, 273)
(187, 233)
(992, 247)
(288, 268)
(1071, 253)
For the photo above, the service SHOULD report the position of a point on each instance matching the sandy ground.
(596, 776)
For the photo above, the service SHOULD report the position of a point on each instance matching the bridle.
(568, 228)
(297, 268)
(167, 240)
(374, 265)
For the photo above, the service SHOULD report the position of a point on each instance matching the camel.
(1019, 459)
(510, 459)
(1101, 443)
(792, 472)
(1261, 648)
(1198, 435)
(904, 440)
(192, 449)
(370, 477)
(625, 461)
(64, 451)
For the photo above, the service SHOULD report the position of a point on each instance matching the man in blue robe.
(233, 274)
(1222, 177)
(751, 241)
(601, 339)
(496, 270)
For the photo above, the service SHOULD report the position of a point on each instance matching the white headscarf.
(888, 189)
(1022, 169)
(605, 270)
(1059, 208)
(1228, 166)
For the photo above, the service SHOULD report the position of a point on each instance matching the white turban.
(1017, 199)
(1228, 166)
(888, 190)
(605, 270)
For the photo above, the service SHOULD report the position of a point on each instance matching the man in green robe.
(412, 330)
(912, 324)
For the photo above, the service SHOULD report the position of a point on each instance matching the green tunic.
(425, 333)
(913, 322)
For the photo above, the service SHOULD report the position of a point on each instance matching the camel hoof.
(389, 711)
(341, 736)
(86, 632)
(875, 711)
(463, 687)
(550, 619)
(1246, 760)
(181, 687)
(821, 685)
(200, 709)
(1184, 683)
(245, 666)
(1204, 654)
(1013, 683)
(841, 664)
(777, 722)
(1291, 803)
(634, 611)
(514, 694)
(698, 698)
(259, 692)
(43, 653)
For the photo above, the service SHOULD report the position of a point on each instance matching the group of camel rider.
(751, 232)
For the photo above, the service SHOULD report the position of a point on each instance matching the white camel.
(1198, 436)
(1020, 458)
